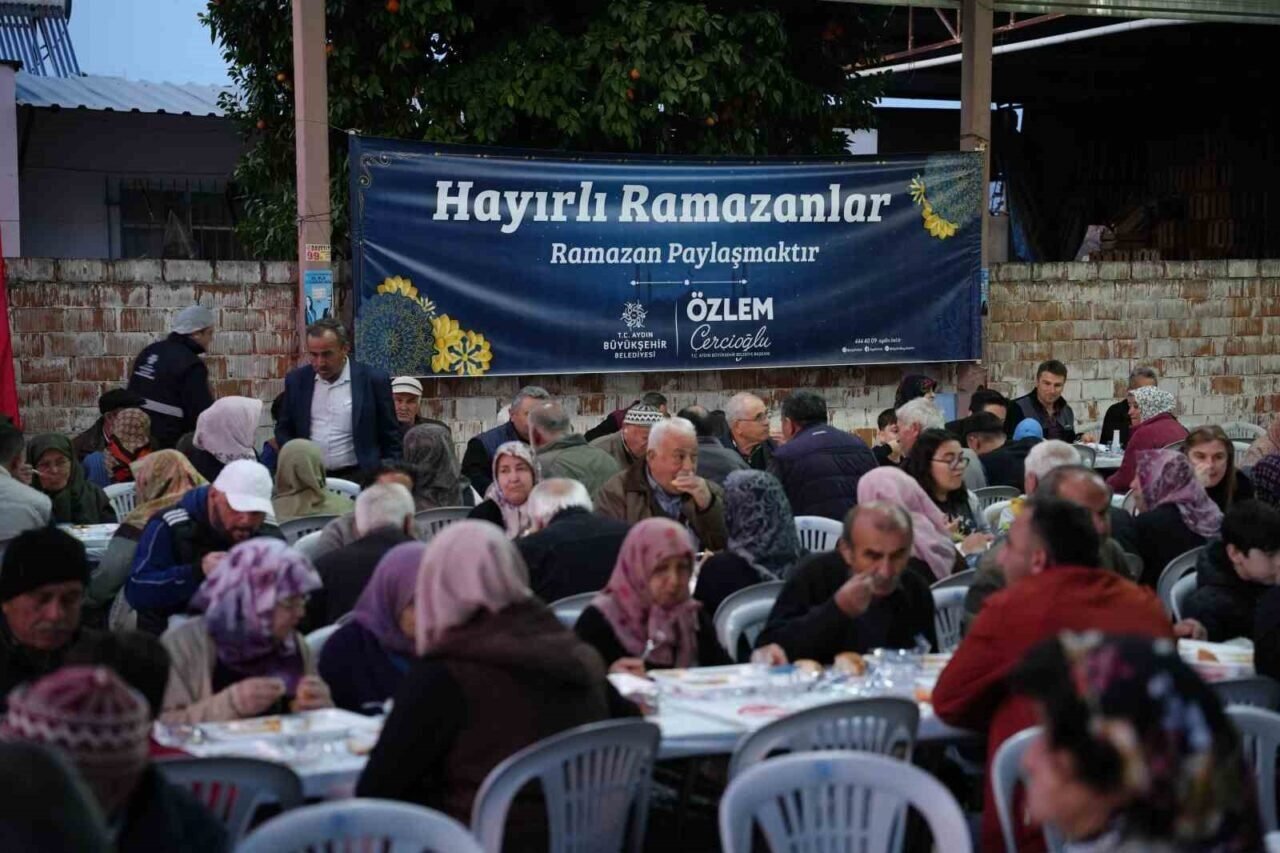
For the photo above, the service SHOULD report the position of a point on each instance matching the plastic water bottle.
(1115, 442)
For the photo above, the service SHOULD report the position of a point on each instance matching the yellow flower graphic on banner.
(448, 335)
(935, 224)
(473, 355)
(397, 284)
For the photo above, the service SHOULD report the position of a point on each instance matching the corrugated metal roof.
(119, 94)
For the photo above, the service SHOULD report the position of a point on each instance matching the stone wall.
(1211, 328)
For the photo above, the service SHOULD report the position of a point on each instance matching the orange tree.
(733, 77)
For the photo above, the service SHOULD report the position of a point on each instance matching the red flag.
(8, 379)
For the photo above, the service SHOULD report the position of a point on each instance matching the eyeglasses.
(297, 602)
(762, 418)
(60, 463)
(959, 463)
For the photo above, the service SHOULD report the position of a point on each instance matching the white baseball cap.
(247, 485)
(406, 385)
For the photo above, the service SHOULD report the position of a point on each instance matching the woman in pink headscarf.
(1177, 513)
(495, 672)
(645, 616)
(933, 553)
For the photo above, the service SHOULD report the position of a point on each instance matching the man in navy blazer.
(340, 404)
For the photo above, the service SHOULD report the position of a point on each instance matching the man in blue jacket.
(819, 466)
(183, 545)
(340, 404)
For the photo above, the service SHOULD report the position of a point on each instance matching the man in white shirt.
(25, 508)
(340, 404)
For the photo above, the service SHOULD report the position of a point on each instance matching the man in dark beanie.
(95, 437)
(42, 583)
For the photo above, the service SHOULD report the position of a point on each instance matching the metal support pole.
(311, 133)
(975, 94)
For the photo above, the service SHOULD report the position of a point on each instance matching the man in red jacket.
(1049, 563)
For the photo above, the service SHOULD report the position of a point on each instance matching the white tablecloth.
(95, 537)
(1108, 461)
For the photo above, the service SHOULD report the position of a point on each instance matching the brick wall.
(1212, 328)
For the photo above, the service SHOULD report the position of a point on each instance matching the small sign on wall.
(318, 253)
(317, 286)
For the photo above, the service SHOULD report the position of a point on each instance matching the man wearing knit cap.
(172, 380)
(102, 725)
(629, 444)
(42, 581)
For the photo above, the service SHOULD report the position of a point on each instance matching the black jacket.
(760, 455)
(162, 816)
(819, 468)
(174, 382)
(1266, 634)
(806, 622)
(596, 632)
(345, 573)
(1116, 420)
(1060, 425)
(20, 664)
(1157, 537)
(1006, 465)
(1223, 602)
(574, 553)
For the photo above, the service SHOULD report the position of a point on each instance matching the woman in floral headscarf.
(763, 544)
(506, 501)
(1264, 445)
(1177, 514)
(1136, 754)
(128, 440)
(645, 617)
(1266, 479)
(244, 657)
(1154, 427)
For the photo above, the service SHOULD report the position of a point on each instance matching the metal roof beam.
(1224, 11)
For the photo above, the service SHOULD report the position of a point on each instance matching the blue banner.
(472, 261)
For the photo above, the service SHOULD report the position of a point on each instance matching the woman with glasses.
(938, 464)
(244, 657)
(59, 475)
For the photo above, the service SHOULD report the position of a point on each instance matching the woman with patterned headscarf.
(1136, 755)
(437, 480)
(1266, 479)
(1154, 427)
(244, 657)
(1264, 445)
(128, 440)
(1177, 514)
(506, 502)
(763, 544)
(914, 386)
(645, 617)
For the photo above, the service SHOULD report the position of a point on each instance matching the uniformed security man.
(172, 379)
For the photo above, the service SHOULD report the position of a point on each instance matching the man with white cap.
(182, 545)
(172, 380)
(406, 393)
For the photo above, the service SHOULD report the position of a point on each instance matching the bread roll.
(850, 663)
(809, 667)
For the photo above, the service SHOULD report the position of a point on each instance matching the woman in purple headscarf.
(365, 659)
(1177, 514)
(244, 657)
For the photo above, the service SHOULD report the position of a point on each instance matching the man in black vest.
(172, 380)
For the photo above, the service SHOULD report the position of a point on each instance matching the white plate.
(329, 721)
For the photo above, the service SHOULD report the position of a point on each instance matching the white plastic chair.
(1241, 450)
(1006, 772)
(991, 514)
(1256, 692)
(363, 824)
(233, 789)
(1088, 455)
(745, 612)
(295, 528)
(1130, 502)
(595, 781)
(837, 801)
(308, 543)
(1180, 565)
(884, 726)
(817, 533)
(948, 615)
(1242, 431)
(123, 498)
(995, 494)
(1259, 739)
(435, 520)
(339, 486)
(317, 638)
(569, 608)
(964, 579)
(1180, 593)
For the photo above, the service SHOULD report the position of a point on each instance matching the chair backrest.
(1241, 431)
(818, 533)
(363, 824)
(569, 608)
(991, 514)
(595, 782)
(964, 579)
(1259, 739)
(992, 494)
(948, 616)
(745, 612)
(1181, 591)
(1179, 445)
(837, 801)
(234, 788)
(1088, 455)
(885, 726)
(123, 498)
(317, 638)
(1180, 565)
(1130, 502)
(432, 521)
(1241, 451)
(1006, 772)
(308, 543)
(1256, 692)
(295, 528)
(339, 486)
